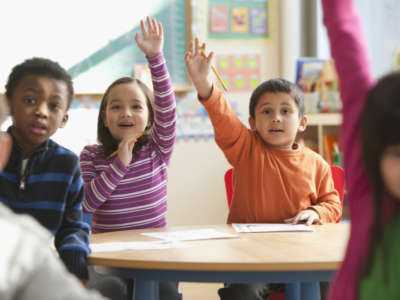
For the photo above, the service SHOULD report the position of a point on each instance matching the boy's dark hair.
(103, 134)
(38, 66)
(380, 128)
(277, 85)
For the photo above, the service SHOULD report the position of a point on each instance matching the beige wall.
(196, 190)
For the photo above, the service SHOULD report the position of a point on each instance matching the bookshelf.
(320, 125)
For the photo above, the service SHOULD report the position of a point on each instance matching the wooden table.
(299, 259)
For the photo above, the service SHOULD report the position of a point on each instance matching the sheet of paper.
(191, 235)
(270, 227)
(102, 247)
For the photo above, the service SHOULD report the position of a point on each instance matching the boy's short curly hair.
(277, 85)
(38, 66)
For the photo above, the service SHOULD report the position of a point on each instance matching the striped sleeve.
(164, 127)
(98, 188)
(72, 238)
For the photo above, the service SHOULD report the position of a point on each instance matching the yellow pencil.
(130, 143)
(215, 71)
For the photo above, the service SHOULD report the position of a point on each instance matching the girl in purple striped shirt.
(129, 190)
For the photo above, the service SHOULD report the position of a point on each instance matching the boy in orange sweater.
(275, 179)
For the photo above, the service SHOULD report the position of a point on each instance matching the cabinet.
(318, 127)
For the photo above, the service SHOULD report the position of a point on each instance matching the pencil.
(215, 71)
(130, 143)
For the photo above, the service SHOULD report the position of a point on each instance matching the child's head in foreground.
(277, 112)
(380, 138)
(39, 92)
(126, 111)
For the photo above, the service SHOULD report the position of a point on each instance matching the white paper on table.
(270, 227)
(123, 246)
(191, 235)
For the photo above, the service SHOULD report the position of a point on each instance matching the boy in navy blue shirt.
(42, 178)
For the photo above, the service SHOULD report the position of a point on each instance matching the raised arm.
(350, 52)
(351, 55)
(231, 135)
(164, 128)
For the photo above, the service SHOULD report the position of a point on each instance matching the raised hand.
(198, 67)
(152, 39)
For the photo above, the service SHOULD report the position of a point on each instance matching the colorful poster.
(233, 19)
(240, 19)
(218, 19)
(258, 20)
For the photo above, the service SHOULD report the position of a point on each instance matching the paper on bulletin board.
(193, 122)
(239, 72)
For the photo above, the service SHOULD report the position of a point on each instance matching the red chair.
(338, 181)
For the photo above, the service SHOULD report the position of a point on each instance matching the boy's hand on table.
(308, 216)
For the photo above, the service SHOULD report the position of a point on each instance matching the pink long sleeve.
(350, 52)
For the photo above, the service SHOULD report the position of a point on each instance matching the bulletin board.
(238, 19)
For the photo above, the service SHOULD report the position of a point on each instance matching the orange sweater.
(270, 184)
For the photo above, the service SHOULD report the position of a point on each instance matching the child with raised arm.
(129, 190)
(275, 179)
(370, 141)
(42, 178)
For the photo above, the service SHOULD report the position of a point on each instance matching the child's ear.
(252, 123)
(64, 120)
(302, 124)
(5, 148)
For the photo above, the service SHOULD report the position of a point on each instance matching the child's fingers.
(143, 28)
(148, 20)
(196, 46)
(154, 26)
(160, 30)
(137, 39)
(190, 47)
(210, 57)
(310, 220)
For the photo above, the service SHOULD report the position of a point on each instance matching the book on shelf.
(318, 80)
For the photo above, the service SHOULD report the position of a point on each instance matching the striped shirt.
(51, 190)
(120, 197)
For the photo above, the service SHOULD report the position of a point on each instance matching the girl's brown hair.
(380, 129)
(104, 136)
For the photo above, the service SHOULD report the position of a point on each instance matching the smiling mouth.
(126, 125)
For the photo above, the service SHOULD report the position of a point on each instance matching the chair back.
(228, 185)
(338, 181)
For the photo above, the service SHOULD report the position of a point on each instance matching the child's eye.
(115, 107)
(54, 106)
(137, 107)
(267, 111)
(285, 111)
(30, 100)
